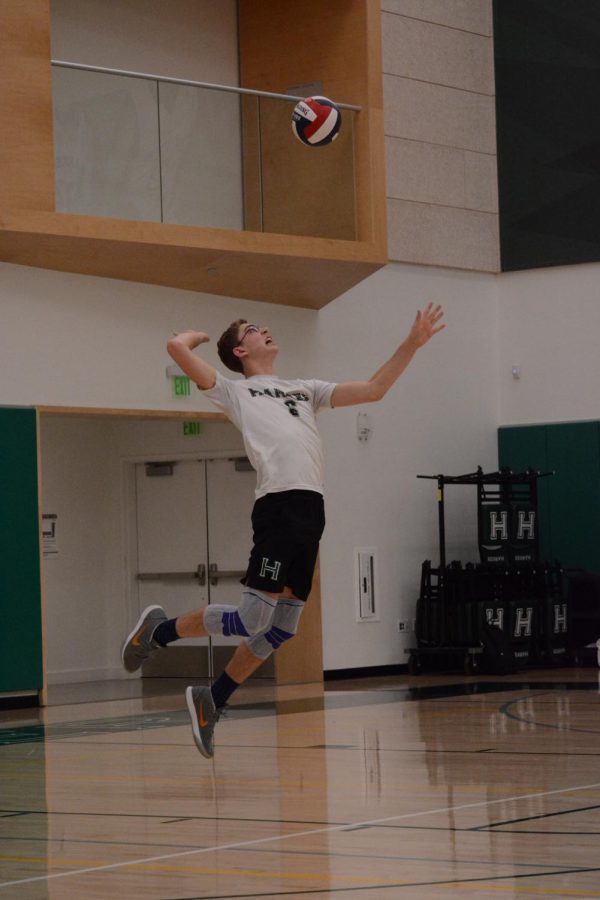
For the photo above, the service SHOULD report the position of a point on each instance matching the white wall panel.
(440, 126)
(440, 417)
(433, 53)
(481, 181)
(549, 325)
(439, 114)
(468, 15)
(443, 236)
(191, 39)
(76, 340)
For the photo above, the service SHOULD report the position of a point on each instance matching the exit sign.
(191, 428)
(181, 386)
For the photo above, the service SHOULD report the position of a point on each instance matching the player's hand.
(426, 325)
(192, 338)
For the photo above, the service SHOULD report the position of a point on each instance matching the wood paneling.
(187, 415)
(285, 44)
(26, 148)
(284, 269)
(305, 190)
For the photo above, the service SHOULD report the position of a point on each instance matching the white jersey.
(277, 421)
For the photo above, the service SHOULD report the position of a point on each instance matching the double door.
(193, 541)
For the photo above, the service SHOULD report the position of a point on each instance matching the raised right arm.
(181, 348)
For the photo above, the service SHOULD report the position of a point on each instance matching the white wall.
(90, 597)
(438, 79)
(549, 322)
(440, 417)
(76, 340)
(73, 340)
(103, 345)
(191, 39)
(81, 341)
(82, 580)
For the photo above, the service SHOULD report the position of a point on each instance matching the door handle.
(199, 574)
(214, 573)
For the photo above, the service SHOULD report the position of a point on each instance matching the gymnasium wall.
(440, 129)
(75, 340)
(549, 322)
(80, 341)
(440, 417)
(191, 39)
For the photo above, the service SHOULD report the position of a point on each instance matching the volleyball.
(316, 121)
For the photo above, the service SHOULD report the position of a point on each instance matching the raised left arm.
(350, 393)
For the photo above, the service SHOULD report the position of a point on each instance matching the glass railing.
(134, 146)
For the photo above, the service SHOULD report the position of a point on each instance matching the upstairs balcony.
(192, 185)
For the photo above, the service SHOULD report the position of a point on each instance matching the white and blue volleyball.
(316, 121)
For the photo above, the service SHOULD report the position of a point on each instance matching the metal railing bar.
(202, 84)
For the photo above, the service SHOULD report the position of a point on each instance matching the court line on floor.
(561, 812)
(482, 881)
(505, 711)
(328, 854)
(298, 834)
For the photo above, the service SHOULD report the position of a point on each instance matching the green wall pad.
(20, 592)
(569, 501)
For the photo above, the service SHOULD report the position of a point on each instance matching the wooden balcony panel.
(283, 269)
(287, 268)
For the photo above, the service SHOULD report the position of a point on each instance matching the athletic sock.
(165, 633)
(222, 689)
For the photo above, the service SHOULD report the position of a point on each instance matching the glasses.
(249, 329)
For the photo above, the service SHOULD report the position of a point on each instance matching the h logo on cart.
(560, 617)
(499, 526)
(498, 620)
(272, 569)
(526, 524)
(523, 621)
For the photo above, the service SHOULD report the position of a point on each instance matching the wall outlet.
(403, 625)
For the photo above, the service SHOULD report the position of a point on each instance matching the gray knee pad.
(283, 627)
(253, 614)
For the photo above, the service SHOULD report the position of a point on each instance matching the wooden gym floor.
(425, 787)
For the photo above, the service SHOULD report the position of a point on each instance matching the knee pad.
(282, 628)
(253, 614)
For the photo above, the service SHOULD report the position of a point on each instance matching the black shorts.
(287, 529)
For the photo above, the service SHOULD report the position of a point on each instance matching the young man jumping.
(277, 420)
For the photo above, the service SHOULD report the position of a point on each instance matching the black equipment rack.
(492, 488)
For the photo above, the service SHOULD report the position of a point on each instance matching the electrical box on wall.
(365, 569)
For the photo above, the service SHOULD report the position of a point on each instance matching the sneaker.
(139, 645)
(204, 716)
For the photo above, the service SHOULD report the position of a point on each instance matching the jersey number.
(291, 405)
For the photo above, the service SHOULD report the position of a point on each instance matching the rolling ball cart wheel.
(470, 664)
(414, 664)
